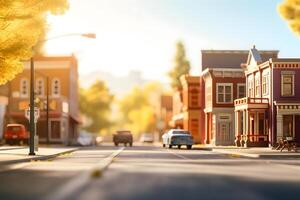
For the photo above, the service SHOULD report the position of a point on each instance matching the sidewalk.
(258, 152)
(10, 155)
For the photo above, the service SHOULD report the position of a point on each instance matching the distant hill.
(117, 85)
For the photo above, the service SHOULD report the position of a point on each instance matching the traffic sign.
(36, 114)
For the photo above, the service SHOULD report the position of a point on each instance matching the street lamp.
(31, 104)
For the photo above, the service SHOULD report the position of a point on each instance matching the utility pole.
(47, 109)
(31, 107)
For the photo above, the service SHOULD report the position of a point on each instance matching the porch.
(252, 122)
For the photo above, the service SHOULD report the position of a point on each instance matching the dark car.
(123, 137)
(16, 134)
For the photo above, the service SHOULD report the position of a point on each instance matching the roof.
(230, 58)
(285, 59)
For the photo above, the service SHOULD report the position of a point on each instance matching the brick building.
(62, 87)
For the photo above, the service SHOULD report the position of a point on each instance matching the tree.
(181, 66)
(22, 25)
(290, 11)
(138, 108)
(95, 105)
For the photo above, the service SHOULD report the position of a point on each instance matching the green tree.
(181, 66)
(290, 11)
(95, 105)
(22, 24)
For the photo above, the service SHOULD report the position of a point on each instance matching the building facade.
(57, 78)
(222, 86)
(193, 104)
(271, 109)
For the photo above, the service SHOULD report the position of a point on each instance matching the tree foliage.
(138, 108)
(22, 25)
(181, 66)
(95, 105)
(290, 11)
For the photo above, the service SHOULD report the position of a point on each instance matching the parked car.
(177, 137)
(86, 139)
(16, 134)
(147, 137)
(123, 136)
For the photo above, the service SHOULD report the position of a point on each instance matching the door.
(55, 130)
(224, 131)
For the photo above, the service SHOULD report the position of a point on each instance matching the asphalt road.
(147, 172)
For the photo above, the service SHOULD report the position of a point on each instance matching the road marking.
(75, 184)
(178, 155)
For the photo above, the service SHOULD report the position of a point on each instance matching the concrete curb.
(36, 158)
(72, 187)
(256, 155)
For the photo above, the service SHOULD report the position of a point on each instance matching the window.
(224, 93)
(287, 84)
(257, 86)
(265, 85)
(250, 88)
(241, 91)
(39, 87)
(55, 87)
(24, 87)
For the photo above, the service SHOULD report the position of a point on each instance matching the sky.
(141, 34)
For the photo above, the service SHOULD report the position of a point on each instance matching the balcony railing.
(250, 100)
(252, 140)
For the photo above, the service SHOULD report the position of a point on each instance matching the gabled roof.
(260, 56)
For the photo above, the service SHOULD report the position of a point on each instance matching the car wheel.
(130, 144)
(189, 146)
(116, 144)
(164, 145)
(179, 146)
(170, 146)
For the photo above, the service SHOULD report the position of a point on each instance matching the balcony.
(251, 103)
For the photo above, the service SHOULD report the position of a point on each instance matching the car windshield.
(181, 132)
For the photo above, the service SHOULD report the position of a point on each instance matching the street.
(151, 172)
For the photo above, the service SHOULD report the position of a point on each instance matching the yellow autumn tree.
(290, 11)
(23, 23)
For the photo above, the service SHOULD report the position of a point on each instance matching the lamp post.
(32, 94)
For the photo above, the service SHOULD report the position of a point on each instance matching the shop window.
(288, 127)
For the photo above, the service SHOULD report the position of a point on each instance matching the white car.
(147, 137)
(86, 139)
(177, 137)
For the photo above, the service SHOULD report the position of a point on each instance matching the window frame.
(21, 88)
(238, 90)
(224, 97)
(53, 89)
(265, 84)
(43, 87)
(292, 84)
